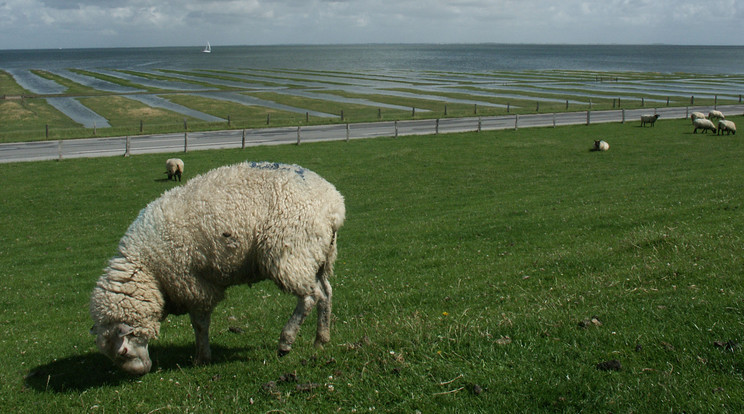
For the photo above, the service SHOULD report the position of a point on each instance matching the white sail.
(207, 48)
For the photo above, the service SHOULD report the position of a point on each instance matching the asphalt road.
(179, 142)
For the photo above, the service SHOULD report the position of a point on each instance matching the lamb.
(236, 224)
(601, 146)
(716, 114)
(649, 119)
(704, 124)
(728, 127)
(697, 115)
(174, 168)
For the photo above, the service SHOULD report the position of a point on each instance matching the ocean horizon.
(456, 57)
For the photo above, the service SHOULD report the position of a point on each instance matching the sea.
(710, 60)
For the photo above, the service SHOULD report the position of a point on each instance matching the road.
(179, 142)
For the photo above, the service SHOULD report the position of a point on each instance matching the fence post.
(715, 102)
(379, 113)
(588, 117)
(342, 114)
(643, 101)
(516, 122)
(692, 100)
(298, 135)
(228, 120)
(94, 128)
(475, 109)
(623, 116)
(396, 128)
(566, 103)
(268, 119)
(590, 103)
(553, 119)
(445, 109)
(347, 132)
(307, 117)
(242, 142)
(480, 124)
(436, 127)
(537, 107)
(59, 150)
(667, 101)
(413, 112)
(508, 105)
(142, 126)
(185, 141)
(687, 112)
(47, 131)
(126, 147)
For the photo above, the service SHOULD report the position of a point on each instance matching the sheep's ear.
(124, 330)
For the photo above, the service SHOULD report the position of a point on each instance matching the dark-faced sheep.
(649, 119)
(234, 225)
(600, 145)
(174, 168)
(704, 124)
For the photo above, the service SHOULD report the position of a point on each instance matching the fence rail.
(193, 141)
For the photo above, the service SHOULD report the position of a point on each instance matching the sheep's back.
(232, 224)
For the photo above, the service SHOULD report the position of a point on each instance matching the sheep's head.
(128, 351)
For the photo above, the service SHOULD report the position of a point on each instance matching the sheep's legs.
(200, 322)
(289, 333)
(323, 334)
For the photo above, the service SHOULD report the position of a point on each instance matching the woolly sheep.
(174, 168)
(716, 114)
(697, 115)
(728, 127)
(704, 124)
(649, 119)
(601, 146)
(237, 224)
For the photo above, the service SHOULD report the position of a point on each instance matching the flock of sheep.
(699, 121)
(236, 224)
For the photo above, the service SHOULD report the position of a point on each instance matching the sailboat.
(207, 48)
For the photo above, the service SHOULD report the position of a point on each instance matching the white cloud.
(100, 23)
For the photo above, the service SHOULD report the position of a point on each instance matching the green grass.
(467, 268)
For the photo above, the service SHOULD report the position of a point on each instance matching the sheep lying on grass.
(716, 114)
(649, 119)
(174, 168)
(601, 146)
(729, 127)
(234, 225)
(704, 124)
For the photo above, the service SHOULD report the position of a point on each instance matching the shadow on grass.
(81, 372)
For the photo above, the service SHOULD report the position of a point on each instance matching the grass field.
(507, 271)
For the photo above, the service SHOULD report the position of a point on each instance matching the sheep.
(236, 224)
(704, 124)
(696, 115)
(716, 114)
(174, 168)
(601, 146)
(649, 119)
(728, 127)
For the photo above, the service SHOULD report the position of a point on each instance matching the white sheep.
(649, 119)
(696, 115)
(174, 168)
(729, 127)
(601, 145)
(704, 124)
(237, 224)
(716, 114)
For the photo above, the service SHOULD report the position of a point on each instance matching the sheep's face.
(129, 352)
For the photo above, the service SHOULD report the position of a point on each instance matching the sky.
(42, 24)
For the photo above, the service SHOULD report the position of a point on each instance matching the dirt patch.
(14, 111)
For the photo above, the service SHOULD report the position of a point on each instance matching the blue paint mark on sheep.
(277, 166)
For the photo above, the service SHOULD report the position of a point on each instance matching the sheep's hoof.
(282, 352)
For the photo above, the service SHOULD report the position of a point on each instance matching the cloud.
(101, 23)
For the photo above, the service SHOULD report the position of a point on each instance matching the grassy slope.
(466, 268)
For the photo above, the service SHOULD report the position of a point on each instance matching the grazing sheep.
(237, 224)
(601, 146)
(704, 124)
(697, 115)
(174, 168)
(729, 127)
(649, 119)
(716, 114)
